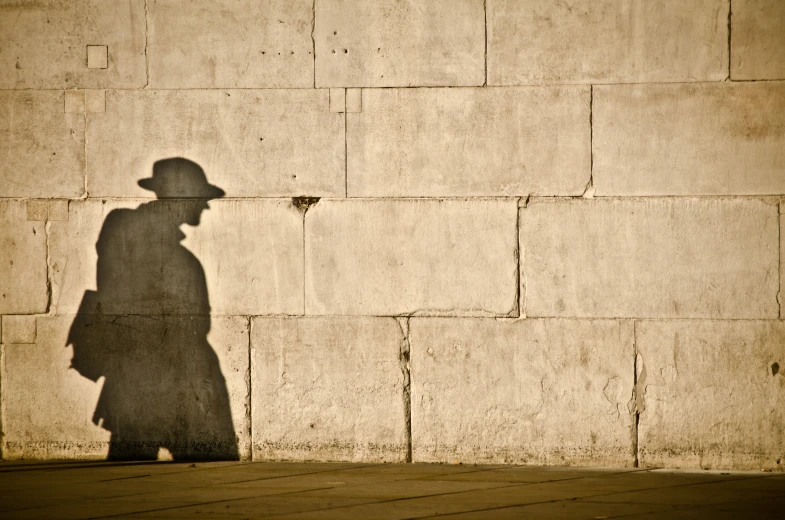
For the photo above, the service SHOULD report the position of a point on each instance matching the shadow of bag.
(88, 337)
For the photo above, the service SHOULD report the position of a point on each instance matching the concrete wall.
(574, 258)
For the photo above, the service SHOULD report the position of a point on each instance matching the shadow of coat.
(145, 329)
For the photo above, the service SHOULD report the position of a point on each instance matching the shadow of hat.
(176, 178)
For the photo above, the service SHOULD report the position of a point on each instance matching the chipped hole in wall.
(304, 203)
(775, 368)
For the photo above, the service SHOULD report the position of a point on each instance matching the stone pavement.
(68, 490)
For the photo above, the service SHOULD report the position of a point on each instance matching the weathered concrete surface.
(526, 391)
(249, 142)
(708, 139)
(431, 257)
(328, 389)
(781, 294)
(22, 261)
(18, 329)
(711, 394)
(655, 258)
(606, 41)
(758, 43)
(469, 142)
(41, 145)
(388, 43)
(44, 44)
(49, 407)
(231, 44)
(251, 253)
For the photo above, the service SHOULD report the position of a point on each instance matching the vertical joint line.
(48, 269)
(313, 39)
(249, 384)
(588, 192)
(146, 39)
(485, 14)
(779, 260)
(637, 414)
(404, 359)
(730, 15)
(346, 144)
(518, 302)
(304, 281)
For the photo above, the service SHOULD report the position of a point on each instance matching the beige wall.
(547, 232)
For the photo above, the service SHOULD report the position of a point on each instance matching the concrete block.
(470, 142)
(429, 257)
(52, 45)
(758, 42)
(42, 148)
(249, 142)
(22, 261)
(708, 139)
(249, 253)
(231, 44)
(711, 394)
(37, 210)
(58, 210)
(522, 392)
(328, 389)
(387, 43)
(74, 102)
(162, 386)
(606, 41)
(337, 100)
(655, 258)
(97, 57)
(95, 101)
(354, 100)
(19, 329)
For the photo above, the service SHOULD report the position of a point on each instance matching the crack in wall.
(146, 39)
(249, 389)
(404, 360)
(730, 16)
(303, 204)
(588, 192)
(313, 39)
(49, 274)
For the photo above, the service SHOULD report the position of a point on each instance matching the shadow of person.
(145, 328)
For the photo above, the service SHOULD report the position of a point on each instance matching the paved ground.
(353, 491)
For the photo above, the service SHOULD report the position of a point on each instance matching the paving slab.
(706, 139)
(650, 258)
(250, 143)
(319, 490)
(412, 257)
(710, 393)
(328, 388)
(469, 142)
(606, 41)
(230, 44)
(387, 43)
(42, 145)
(45, 45)
(526, 391)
